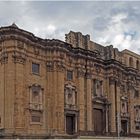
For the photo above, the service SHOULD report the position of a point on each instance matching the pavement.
(108, 138)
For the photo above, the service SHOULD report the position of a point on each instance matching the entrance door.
(98, 121)
(70, 124)
(124, 127)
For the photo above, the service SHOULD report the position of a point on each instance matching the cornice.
(13, 32)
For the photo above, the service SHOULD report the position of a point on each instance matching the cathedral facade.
(55, 89)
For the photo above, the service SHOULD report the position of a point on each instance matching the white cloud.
(118, 39)
(117, 18)
(115, 34)
(51, 28)
(107, 22)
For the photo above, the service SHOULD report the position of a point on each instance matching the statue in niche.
(70, 95)
(36, 97)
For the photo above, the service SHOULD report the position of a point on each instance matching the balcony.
(35, 106)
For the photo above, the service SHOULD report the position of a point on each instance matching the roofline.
(128, 52)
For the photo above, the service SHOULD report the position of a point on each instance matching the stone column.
(49, 96)
(89, 105)
(7, 92)
(60, 105)
(2, 96)
(113, 107)
(118, 117)
(58, 99)
(106, 116)
(81, 101)
(54, 103)
(131, 110)
(6, 88)
(19, 106)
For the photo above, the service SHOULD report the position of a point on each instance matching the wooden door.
(123, 127)
(98, 121)
(70, 124)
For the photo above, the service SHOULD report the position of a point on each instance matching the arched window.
(131, 62)
(137, 64)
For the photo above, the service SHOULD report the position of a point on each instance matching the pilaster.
(113, 106)
(118, 102)
(89, 105)
(81, 100)
(131, 109)
(19, 94)
(50, 96)
(60, 105)
(54, 103)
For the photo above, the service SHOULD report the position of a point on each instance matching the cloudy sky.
(116, 23)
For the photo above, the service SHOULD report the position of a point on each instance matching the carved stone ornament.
(70, 60)
(80, 73)
(62, 55)
(91, 64)
(89, 74)
(36, 51)
(70, 97)
(60, 66)
(19, 57)
(98, 70)
(36, 98)
(130, 85)
(50, 66)
(4, 57)
(20, 44)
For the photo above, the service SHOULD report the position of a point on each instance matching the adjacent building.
(55, 89)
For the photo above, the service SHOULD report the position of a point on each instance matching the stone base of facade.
(13, 136)
(134, 135)
(64, 136)
(113, 134)
(86, 133)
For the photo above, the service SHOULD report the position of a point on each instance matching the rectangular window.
(69, 75)
(35, 68)
(36, 119)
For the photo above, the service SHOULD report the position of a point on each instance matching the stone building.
(50, 88)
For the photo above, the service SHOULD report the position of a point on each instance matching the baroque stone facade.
(50, 88)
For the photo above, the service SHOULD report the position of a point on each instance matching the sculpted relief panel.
(70, 95)
(36, 97)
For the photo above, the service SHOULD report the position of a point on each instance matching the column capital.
(88, 75)
(19, 57)
(81, 73)
(59, 66)
(4, 57)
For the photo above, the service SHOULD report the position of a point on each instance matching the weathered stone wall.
(88, 61)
